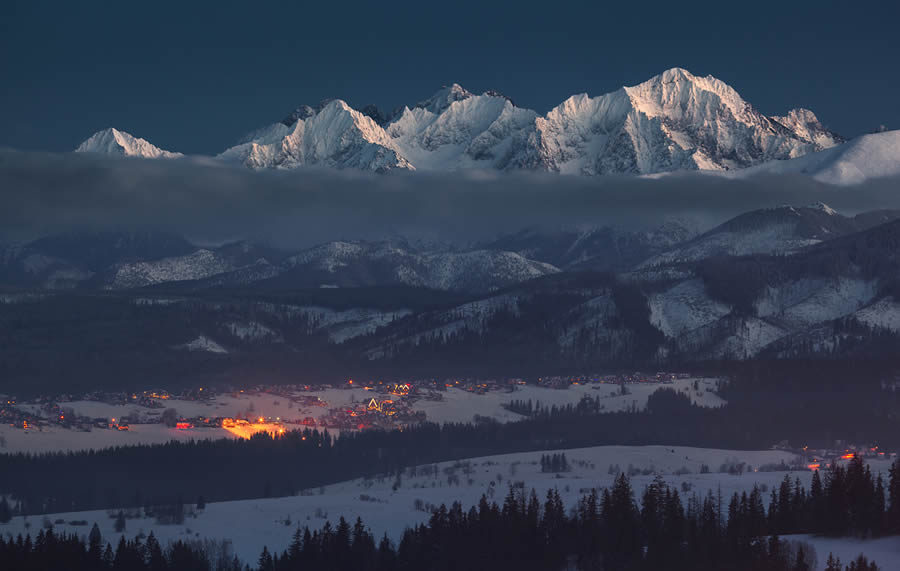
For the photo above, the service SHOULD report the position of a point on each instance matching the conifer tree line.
(554, 463)
(51, 550)
(606, 530)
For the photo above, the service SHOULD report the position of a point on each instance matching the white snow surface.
(194, 266)
(252, 524)
(473, 270)
(836, 298)
(476, 131)
(807, 302)
(453, 270)
(204, 343)
(695, 322)
(869, 156)
(348, 324)
(336, 136)
(884, 313)
(684, 307)
(252, 331)
(114, 142)
(772, 239)
(461, 406)
(751, 336)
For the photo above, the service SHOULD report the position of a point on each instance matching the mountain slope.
(780, 230)
(114, 142)
(119, 261)
(869, 156)
(456, 129)
(353, 264)
(333, 135)
(674, 121)
(599, 248)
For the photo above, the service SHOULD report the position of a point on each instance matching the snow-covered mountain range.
(672, 122)
(127, 261)
(781, 281)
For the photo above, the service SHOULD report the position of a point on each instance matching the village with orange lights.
(65, 422)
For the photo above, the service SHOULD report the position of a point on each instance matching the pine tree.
(266, 563)
(893, 510)
(817, 510)
(800, 564)
(386, 560)
(120, 522)
(156, 561)
(861, 563)
(296, 547)
(95, 540)
(878, 507)
(108, 556)
(785, 518)
(622, 524)
(362, 547)
(5, 514)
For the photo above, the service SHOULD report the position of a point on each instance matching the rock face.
(114, 142)
(674, 121)
(333, 135)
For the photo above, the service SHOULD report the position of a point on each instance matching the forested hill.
(609, 530)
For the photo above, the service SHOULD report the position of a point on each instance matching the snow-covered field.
(55, 438)
(456, 406)
(464, 405)
(250, 524)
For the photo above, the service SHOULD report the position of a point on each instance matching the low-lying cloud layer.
(44, 193)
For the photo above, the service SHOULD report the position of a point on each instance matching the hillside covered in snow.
(784, 281)
(872, 156)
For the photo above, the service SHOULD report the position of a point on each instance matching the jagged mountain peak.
(306, 111)
(373, 112)
(822, 207)
(333, 134)
(804, 124)
(676, 91)
(444, 98)
(112, 141)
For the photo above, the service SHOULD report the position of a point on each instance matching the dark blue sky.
(193, 76)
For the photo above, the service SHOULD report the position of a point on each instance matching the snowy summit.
(114, 142)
